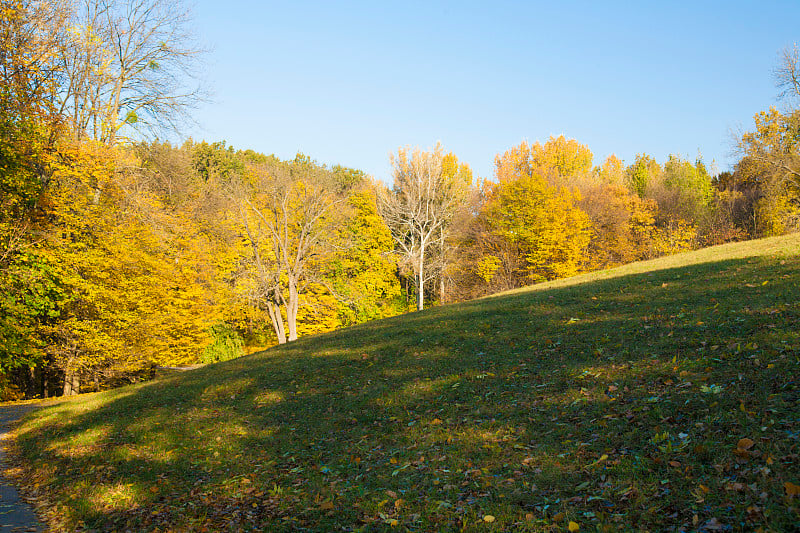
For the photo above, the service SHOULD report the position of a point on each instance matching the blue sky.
(350, 82)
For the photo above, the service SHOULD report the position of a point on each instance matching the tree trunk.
(442, 265)
(291, 310)
(72, 381)
(277, 321)
(421, 281)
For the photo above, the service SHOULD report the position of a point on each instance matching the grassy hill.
(658, 396)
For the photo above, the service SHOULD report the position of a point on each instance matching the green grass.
(617, 400)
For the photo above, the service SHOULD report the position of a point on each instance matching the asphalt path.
(16, 515)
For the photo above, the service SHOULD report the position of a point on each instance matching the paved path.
(15, 514)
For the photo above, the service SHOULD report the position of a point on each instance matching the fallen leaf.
(573, 526)
(792, 490)
(488, 518)
(745, 444)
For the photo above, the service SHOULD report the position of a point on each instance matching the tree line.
(119, 254)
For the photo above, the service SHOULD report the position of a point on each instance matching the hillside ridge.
(659, 395)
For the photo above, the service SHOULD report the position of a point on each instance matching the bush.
(227, 344)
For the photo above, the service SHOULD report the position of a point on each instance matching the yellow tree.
(129, 297)
(287, 215)
(772, 162)
(28, 124)
(552, 233)
(558, 157)
(362, 272)
(623, 225)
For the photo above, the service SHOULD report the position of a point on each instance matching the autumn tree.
(131, 287)
(551, 232)
(419, 209)
(361, 270)
(623, 224)
(641, 173)
(28, 127)
(683, 190)
(770, 163)
(558, 157)
(771, 160)
(542, 219)
(486, 261)
(287, 215)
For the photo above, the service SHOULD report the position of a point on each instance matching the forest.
(121, 253)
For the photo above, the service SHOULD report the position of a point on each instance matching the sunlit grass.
(615, 400)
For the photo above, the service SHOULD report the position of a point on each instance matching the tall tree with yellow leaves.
(552, 233)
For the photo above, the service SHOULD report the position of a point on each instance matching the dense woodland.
(120, 253)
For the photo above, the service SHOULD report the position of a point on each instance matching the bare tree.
(419, 210)
(787, 75)
(129, 63)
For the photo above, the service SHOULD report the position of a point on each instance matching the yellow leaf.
(792, 490)
(488, 518)
(393, 522)
(745, 444)
(573, 526)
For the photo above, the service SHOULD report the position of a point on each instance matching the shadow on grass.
(608, 402)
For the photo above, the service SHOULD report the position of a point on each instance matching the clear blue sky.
(350, 82)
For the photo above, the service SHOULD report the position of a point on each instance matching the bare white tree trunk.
(277, 321)
(421, 280)
(292, 305)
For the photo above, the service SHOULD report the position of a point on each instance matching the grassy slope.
(617, 400)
